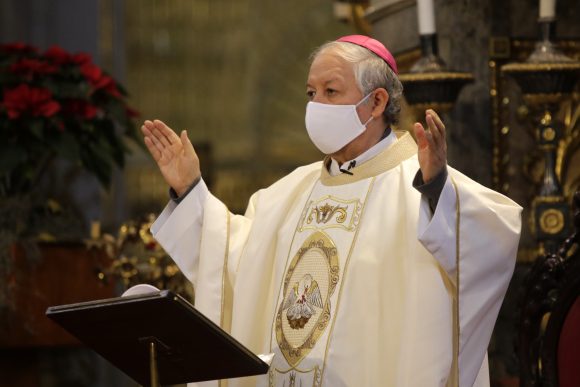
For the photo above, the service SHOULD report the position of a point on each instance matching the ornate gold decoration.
(501, 117)
(315, 262)
(316, 377)
(322, 214)
(547, 82)
(331, 212)
(535, 67)
(543, 99)
(549, 134)
(438, 76)
(138, 258)
(551, 221)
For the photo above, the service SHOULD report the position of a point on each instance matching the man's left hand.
(432, 146)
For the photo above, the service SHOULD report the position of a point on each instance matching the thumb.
(420, 135)
(187, 145)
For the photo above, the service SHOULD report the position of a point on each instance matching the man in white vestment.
(378, 266)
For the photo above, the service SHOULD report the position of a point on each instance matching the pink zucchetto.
(372, 45)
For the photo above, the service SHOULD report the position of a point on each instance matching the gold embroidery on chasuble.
(305, 310)
(289, 377)
(331, 212)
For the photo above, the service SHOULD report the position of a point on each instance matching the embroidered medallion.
(331, 212)
(304, 311)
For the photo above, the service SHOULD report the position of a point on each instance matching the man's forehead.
(327, 67)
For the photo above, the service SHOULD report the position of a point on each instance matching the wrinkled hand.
(432, 146)
(174, 155)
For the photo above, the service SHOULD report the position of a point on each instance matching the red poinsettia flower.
(92, 72)
(81, 58)
(61, 91)
(29, 67)
(35, 101)
(80, 108)
(99, 80)
(110, 86)
(57, 55)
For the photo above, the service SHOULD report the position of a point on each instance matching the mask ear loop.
(361, 101)
(364, 98)
(369, 120)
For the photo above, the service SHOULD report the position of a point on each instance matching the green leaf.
(10, 157)
(98, 164)
(69, 147)
(72, 90)
(36, 128)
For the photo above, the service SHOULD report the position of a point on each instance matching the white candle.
(547, 9)
(426, 16)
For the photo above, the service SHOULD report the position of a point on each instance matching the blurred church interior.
(232, 73)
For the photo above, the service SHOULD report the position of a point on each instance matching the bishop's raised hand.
(174, 155)
(432, 146)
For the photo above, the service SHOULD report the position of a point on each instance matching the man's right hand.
(174, 155)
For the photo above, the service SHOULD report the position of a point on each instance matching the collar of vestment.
(389, 158)
(387, 140)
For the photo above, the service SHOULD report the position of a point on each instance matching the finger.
(147, 135)
(163, 149)
(148, 124)
(187, 145)
(166, 131)
(152, 149)
(146, 131)
(421, 136)
(433, 129)
(438, 122)
(149, 130)
(436, 117)
(160, 136)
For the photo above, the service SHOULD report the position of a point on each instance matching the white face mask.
(331, 127)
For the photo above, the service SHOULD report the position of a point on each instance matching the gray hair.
(370, 72)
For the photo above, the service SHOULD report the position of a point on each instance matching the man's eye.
(310, 94)
(330, 91)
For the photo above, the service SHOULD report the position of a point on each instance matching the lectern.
(158, 338)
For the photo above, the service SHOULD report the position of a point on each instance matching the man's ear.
(379, 102)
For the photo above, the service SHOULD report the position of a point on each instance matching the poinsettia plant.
(55, 104)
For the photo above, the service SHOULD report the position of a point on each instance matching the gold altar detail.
(136, 257)
(536, 133)
(509, 110)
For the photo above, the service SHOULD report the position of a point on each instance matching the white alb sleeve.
(178, 229)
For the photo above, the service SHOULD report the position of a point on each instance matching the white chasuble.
(352, 280)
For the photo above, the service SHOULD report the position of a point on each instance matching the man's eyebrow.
(326, 82)
(331, 80)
